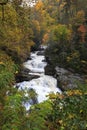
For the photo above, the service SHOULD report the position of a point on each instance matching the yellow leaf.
(1, 63)
(16, 72)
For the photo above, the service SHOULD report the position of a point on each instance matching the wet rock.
(44, 60)
(40, 53)
(29, 58)
(25, 71)
(24, 76)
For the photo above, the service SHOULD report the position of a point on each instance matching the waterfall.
(43, 85)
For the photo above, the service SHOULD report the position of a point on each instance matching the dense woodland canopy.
(62, 26)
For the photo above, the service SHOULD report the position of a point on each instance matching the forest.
(61, 25)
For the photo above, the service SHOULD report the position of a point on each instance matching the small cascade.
(36, 65)
(43, 85)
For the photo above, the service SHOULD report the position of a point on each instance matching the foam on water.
(36, 64)
(43, 85)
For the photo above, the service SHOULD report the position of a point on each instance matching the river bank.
(66, 79)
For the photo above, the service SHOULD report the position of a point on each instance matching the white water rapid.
(44, 84)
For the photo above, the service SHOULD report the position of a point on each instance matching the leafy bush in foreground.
(67, 111)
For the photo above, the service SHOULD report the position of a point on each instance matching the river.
(43, 85)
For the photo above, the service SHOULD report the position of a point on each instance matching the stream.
(43, 85)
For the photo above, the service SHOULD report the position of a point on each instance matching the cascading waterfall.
(43, 85)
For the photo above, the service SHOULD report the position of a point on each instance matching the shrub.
(69, 111)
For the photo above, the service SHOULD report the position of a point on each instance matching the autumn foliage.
(62, 26)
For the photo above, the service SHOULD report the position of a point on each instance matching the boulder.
(25, 76)
(66, 79)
